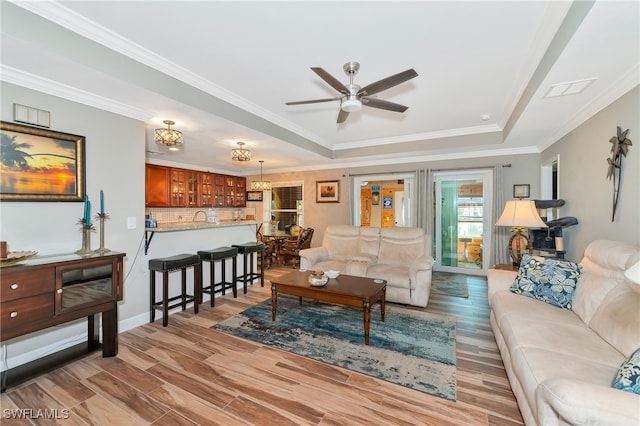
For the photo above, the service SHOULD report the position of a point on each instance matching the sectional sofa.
(401, 256)
(561, 363)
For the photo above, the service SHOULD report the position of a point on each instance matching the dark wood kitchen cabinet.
(156, 186)
(50, 290)
(207, 181)
(174, 187)
(192, 178)
(178, 188)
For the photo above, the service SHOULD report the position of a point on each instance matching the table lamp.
(520, 214)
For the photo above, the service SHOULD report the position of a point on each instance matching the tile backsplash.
(163, 215)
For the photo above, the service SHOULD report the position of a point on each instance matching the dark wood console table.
(49, 290)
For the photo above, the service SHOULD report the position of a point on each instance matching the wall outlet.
(131, 223)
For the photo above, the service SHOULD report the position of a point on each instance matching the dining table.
(278, 237)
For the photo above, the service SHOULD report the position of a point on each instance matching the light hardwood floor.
(187, 374)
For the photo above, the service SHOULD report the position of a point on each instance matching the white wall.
(583, 182)
(115, 164)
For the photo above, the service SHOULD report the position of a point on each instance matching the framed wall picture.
(327, 191)
(254, 195)
(375, 198)
(40, 164)
(521, 190)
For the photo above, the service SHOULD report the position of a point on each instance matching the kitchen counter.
(170, 240)
(189, 226)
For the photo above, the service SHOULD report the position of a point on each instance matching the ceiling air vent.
(569, 88)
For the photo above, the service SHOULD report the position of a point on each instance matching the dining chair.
(290, 250)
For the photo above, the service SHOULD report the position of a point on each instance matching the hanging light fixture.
(169, 137)
(261, 185)
(240, 154)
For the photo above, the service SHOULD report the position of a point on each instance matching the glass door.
(462, 219)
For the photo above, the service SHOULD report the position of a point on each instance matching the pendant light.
(261, 185)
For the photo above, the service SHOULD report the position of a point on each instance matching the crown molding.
(72, 21)
(51, 87)
(489, 128)
(609, 95)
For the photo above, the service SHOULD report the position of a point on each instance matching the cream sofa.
(402, 256)
(561, 363)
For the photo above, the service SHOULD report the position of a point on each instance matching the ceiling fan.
(353, 96)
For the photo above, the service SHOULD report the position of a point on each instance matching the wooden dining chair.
(270, 249)
(290, 250)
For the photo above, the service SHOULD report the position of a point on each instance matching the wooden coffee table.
(348, 290)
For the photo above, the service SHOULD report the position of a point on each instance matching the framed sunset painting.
(40, 164)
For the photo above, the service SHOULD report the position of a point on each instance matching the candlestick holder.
(86, 239)
(102, 217)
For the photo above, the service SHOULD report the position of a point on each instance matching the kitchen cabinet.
(178, 188)
(218, 191)
(175, 187)
(229, 191)
(49, 290)
(156, 186)
(207, 181)
(241, 190)
(193, 188)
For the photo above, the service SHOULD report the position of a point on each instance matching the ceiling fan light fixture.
(240, 154)
(169, 137)
(351, 104)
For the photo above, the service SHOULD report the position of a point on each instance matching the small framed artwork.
(375, 198)
(254, 195)
(40, 164)
(327, 191)
(521, 190)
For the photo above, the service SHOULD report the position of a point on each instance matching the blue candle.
(87, 212)
(101, 201)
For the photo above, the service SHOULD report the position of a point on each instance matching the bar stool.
(221, 254)
(169, 264)
(247, 250)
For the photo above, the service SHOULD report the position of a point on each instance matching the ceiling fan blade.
(342, 116)
(333, 82)
(388, 82)
(313, 101)
(379, 103)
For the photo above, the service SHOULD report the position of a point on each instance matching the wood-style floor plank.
(189, 374)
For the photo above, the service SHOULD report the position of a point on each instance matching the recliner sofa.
(561, 362)
(401, 256)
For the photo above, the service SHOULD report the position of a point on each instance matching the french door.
(462, 206)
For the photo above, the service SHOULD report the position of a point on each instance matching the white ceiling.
(224, 70)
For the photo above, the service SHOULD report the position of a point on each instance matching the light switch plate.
(131, 223)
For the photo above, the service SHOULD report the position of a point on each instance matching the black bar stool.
(222, 254)
(169, 264)
(247, 250)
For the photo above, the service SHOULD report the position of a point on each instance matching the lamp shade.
(261, 185)
(521, 213)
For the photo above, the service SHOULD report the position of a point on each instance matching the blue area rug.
(449, 284)
(411, 348)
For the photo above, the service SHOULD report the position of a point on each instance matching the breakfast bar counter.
(200, 226)
(173, 238)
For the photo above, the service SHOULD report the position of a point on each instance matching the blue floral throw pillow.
(628, 378)
(551, 280)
